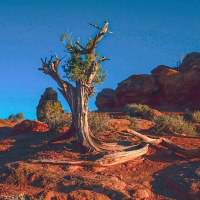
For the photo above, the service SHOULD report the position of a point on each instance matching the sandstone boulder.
(29, 126)
(105, 99)
(189, 61)
(165, 88)
(138, 87)
(158, 70)
(151, 114)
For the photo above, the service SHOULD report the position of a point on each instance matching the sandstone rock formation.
(105, 99)
(49, 95)
(165, 87)
(27, 126)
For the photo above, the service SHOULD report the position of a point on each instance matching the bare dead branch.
(95, 26)
(107, 160)
(97, 38)
(188, 153)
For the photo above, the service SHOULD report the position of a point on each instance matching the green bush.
(53, 115)
(98, 121)
(19, 115)
(11, 117)
(196, 116)
(136, 110)
(49, 107)
(173, 123)
(56, 121)
(133, 122)
(14, 117)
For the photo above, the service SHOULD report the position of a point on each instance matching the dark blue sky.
(147, 33)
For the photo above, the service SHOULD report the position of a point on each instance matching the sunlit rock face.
(105, 99)
(49, 96)
(28, 126)
(165, 87)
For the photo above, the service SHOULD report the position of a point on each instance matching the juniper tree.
(84, 68)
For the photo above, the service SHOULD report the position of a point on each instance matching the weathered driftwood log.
(129, 153)
(188, 153)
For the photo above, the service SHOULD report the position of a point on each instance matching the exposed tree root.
(69, 133)
(107, 160)
(128, 153)
(188, 153)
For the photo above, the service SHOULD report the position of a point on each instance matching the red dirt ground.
(157, 175)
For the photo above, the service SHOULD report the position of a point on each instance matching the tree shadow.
(179, 181)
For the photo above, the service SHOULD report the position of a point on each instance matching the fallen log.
(188, 153)
(128, 153)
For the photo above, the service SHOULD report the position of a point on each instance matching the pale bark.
(188, 153)
(129, 153)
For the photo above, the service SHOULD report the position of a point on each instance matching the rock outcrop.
(105, 99)
(49, 96)
(28, 126)
(164, 88)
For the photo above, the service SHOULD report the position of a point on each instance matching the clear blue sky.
(147, 33)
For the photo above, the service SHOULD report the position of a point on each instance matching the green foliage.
(50, 107)
(56, 121)
(133, 122)
(196, 116)
(17, 116)
(11, 117)
(78, 67)
(53, 115)
(136, 110)
(20, 116)
(173, 123)
(98, 122)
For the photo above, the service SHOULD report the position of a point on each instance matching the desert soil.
(157, 175)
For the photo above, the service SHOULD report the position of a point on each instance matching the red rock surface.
(105, 98)
(29, 126)
(160, 174)
(151, 114)
(166, 87)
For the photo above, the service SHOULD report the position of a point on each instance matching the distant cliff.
(165, 87)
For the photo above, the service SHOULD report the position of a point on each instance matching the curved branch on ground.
(128, 153)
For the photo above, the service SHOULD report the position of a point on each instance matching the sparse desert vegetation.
(23, 180)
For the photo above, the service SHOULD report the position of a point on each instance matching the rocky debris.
(50, 195)
(143, 191)
(118, 124)
(49, 95)
(86, 194)
(151, 114)
(164, 88)
(143, 124)
(105, 99)
(29, 126)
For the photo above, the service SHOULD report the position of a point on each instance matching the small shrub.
(14, 117)
(136, 110)
(19, 115)
(52, 114)
(98, 121)
(196, 116)
(56, 121)
(173, 123)
(49, 107)
(133, 122)
(11, 117)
